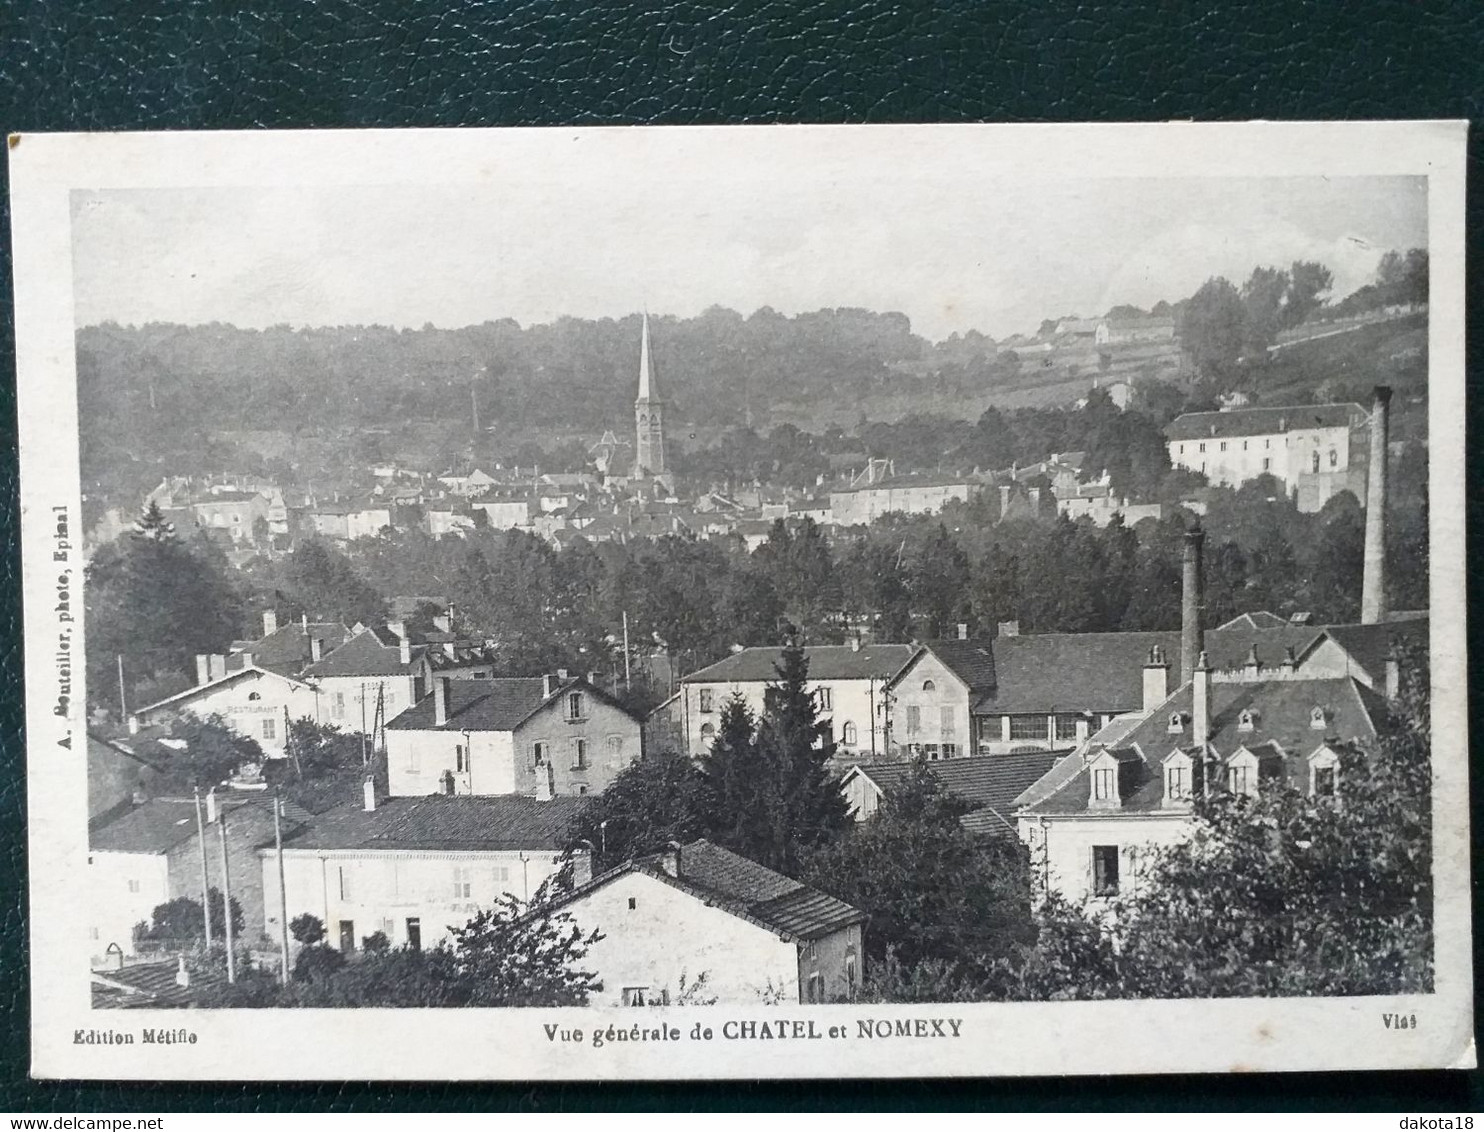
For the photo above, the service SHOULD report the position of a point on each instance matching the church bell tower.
(649, 412)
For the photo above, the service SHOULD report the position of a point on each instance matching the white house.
(413, 868)
(1315, 451)
(380, 667)
(1092, 817)
(256, 702)
(701, 916)
(848, 683)
(535, 736)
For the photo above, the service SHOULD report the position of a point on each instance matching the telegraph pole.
(205, 882)
(283, 893)
(627, 686)
(123, 700)
(221, 828)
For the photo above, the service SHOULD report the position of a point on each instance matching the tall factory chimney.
(1192, 604)
(1373, 588)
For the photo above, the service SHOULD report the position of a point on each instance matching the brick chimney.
(1373, 585)
(368, 795)
(1192, 603)
(1008, 628)
(544, 789)
(316, 649)
(404, 649)
(1200, 702)
(1156, 678)
(670, 859)
(203, 668)
(270, 622)
(440, 700)
(548, 685)
(1251, 667)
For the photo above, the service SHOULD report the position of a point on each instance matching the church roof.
(648, 390)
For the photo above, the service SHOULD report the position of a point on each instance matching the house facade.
(415, 868)
(698, 913)
(848, 683)
(538, 736)
(1090, 822)
(257, 703)
(380, 666)
(1315, 451)
(864, 504)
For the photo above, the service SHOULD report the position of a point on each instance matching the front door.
(414, 933)
(347, 936)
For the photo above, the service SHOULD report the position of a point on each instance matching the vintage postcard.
(744, 602)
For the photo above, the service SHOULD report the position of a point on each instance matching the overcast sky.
(951, 251)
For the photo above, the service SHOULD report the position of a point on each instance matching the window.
(462, 887)
(633, 903)
(581, 788)
(1267, 464)
(1325, 780)
(414, 933)
(414, 760)
(946, 721)
(1334, 458)
(1177, 781)
(1318, 720)
(816, 987)
(1105, 870)
(930, 750)
(574, 705)
(848, 734)
(1182, 450)
(914, 719)
(708, 700)
(1239, 780)
(614, 743)
(1267, 443)
(460, 758)
(500, 874)
(636, 996)
(1244, 446)
(1066, 726)
(929, 686)
(708, 733)
(1177, 722)
(254, 696)
(1246, 721)
(1316, 461)
(337, 706)
(133, 885)
(270, 729)
(538, 754)
(1105, 784)
(1028, 727)
(579, 754)
(824, 699)
(345, 883)
(1202, 448)
(1223, 446)
(852, 971)
(950, 750)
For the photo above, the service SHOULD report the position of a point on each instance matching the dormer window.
(254, 695)
(574, 705)
(1241, 774)
(1324, 773)
(1177, 782)
(1105, 784)
(1318, 719)
(1246, 721)
(1177, 722)
(929, 686)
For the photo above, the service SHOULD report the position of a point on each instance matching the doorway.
(414, 933)
(347, 936)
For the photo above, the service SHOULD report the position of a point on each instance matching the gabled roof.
(371, 652)
(1371, 645)
(1051, 672)
(1261, 619)
(744, 888)
(437, 822)
(990, 783)
(501, 704)
(1281, 714)
(1263, 421)
(288, 645)
(971, 661)
(826, 662)
(212, 685)
(160, 824)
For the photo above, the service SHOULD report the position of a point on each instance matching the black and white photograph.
(745, 601)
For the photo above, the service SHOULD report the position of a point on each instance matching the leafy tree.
(181, 920)
(661, 798)
(1280, 895)
(319, 580)
(940, 583)
(1263, 298)
(213, 751)
(307, 929)
(935, 892)
(1213, 329)
(1309, 284)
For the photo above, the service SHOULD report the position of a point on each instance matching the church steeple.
(649, 432)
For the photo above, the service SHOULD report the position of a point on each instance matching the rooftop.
(449, 823)
(371, 652)
(1263, 421)
(826, 662)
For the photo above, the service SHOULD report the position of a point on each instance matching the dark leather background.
(204, 64)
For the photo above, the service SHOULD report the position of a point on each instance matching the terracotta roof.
(1281, 714)
(366, 654)
(742, 887)
(826, 662)
(481, 705)
(471, 823)
(1263, 421)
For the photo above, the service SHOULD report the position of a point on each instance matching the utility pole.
(288, 742)
(283, 892)
(205, 881)
(221, 828)
(123, 701)
(627, 685)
